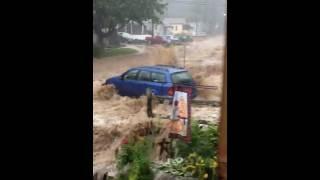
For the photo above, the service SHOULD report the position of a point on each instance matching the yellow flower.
(205, 176)
(215, 164)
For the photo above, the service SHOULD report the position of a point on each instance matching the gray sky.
(211, 12)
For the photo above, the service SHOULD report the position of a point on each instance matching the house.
(174, 25)
(135, 28)
(198, 28)
(169, 26)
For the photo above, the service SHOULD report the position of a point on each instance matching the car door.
(158, 80)
(152, 80)
(129, 83)
(143, 81)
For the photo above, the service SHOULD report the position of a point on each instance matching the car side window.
(158, 77)
(131, 75)
(144, 76)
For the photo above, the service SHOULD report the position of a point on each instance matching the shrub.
(137, 157)
(204, 142)
(98, 52)
(197, 158)
(192, 166)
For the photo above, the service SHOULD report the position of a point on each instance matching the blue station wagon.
(160, 79)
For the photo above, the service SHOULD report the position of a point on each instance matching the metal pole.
(184, 55)
(142, 29)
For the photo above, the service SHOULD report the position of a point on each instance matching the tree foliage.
(109, 15)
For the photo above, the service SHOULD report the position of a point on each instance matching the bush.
(137, 157)
(98, 52)
(197, 158)
(192, 166)
(204, 141)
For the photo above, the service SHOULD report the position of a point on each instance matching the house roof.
(168, 21)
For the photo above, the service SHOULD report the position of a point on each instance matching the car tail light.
(171, 91)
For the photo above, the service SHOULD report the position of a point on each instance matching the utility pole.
(184, 55)
(152, 27)
(142, 29)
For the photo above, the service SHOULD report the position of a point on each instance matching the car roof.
(162, 68)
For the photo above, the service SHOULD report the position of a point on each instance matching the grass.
(99, 53)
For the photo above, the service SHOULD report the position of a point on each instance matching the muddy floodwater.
(115, 116)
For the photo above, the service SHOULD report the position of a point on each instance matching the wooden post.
(222, 147)
(105, 176)
(149, 103)
(95, 176)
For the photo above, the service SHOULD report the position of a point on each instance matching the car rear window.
(181, 77)
(158, 77)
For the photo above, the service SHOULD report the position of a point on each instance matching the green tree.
(110, 15)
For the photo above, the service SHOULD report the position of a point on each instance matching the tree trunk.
(100, 43)
(114, 39)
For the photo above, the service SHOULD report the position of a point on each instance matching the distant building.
(168, 26)
(198, 28)
(136, 28)
(174, 25)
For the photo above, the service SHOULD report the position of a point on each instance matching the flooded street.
(115, 116)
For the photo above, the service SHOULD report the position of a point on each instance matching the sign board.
(180, 115)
